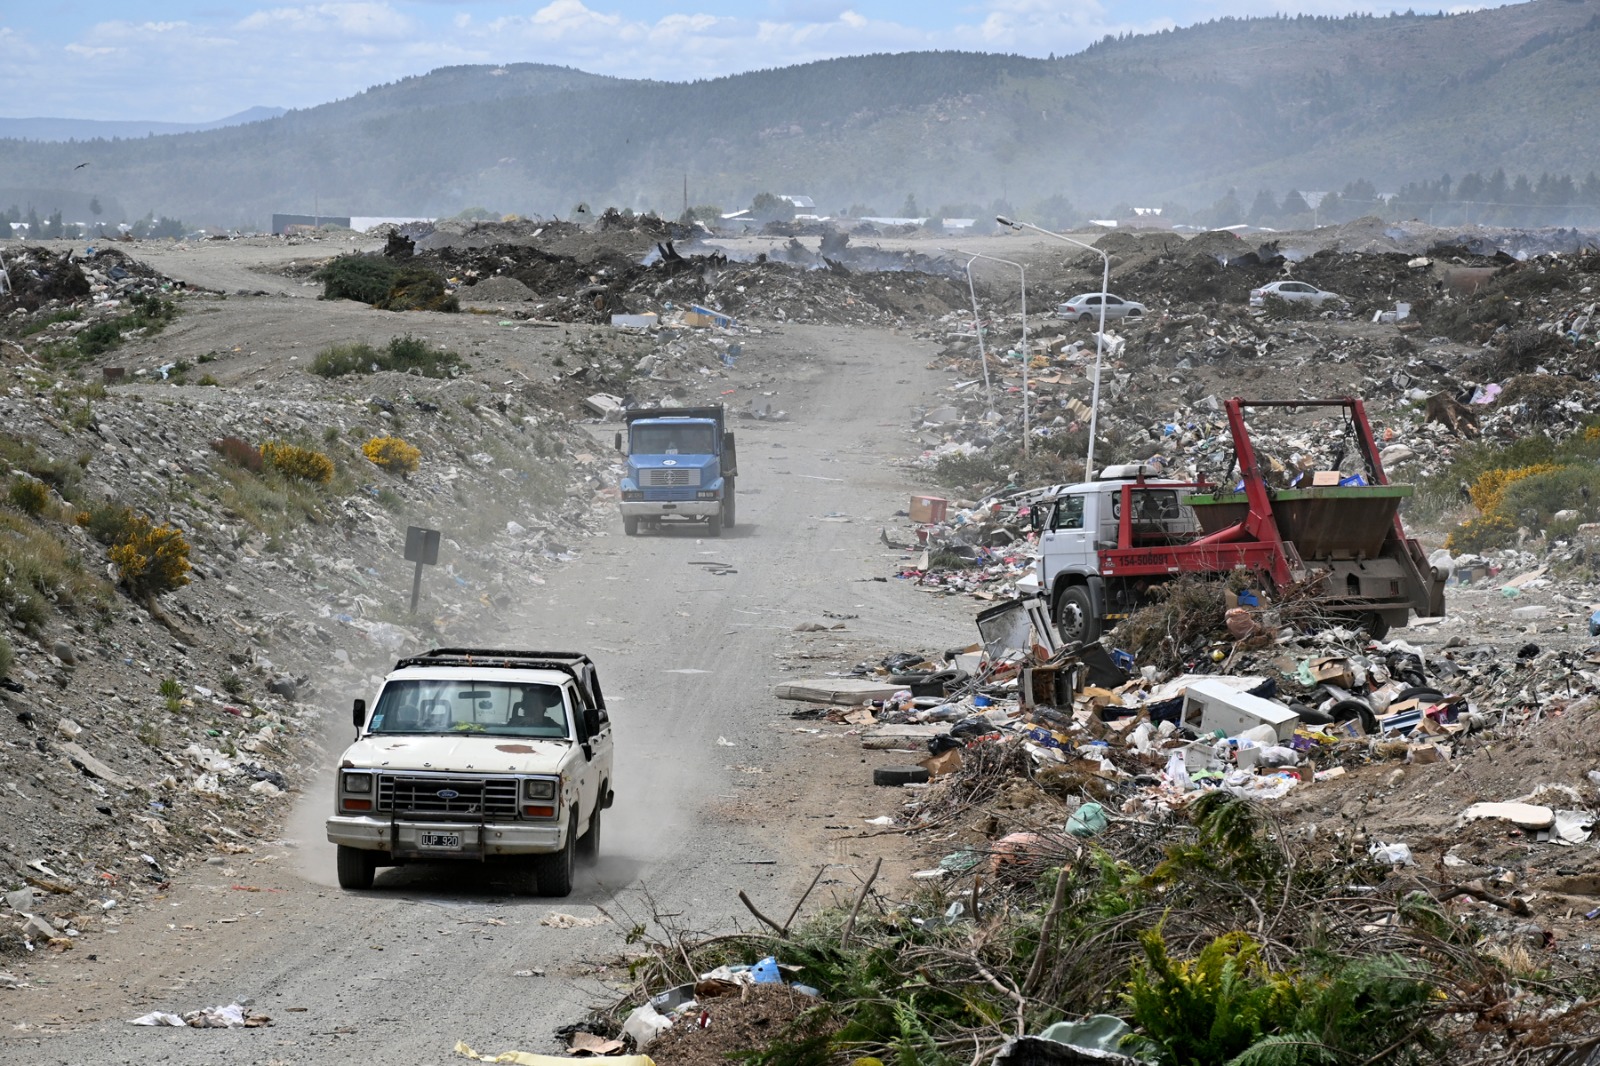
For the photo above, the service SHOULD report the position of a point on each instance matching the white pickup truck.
(480, 755)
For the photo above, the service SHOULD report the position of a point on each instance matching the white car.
(1294, 292)
(1086, 307)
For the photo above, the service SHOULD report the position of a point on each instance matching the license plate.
(442, 841)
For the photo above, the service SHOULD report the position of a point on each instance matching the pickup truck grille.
(491, 797)
(668, 478)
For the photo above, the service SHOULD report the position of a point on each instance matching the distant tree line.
(1493, 200)
(16, 224)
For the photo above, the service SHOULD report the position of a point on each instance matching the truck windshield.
(456, 705)
(688, 439)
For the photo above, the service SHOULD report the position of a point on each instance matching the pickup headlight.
(539, 790)
(356, 783)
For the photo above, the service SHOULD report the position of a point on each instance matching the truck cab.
(476, 755)
(1075, 523)
(681, 464)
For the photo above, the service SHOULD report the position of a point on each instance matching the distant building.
(359, 223)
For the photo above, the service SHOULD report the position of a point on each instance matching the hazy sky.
(199, 60)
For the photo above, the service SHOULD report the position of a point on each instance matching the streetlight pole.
(1100, 337)
(1027, 433)
(977, 324)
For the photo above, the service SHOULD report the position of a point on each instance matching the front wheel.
(1075, 617)
(1086, 317)
(714, 526)
(356, 868)
(589, 843)
(553, 873)
(630, 525)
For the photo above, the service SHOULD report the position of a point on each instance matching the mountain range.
(1180, 116)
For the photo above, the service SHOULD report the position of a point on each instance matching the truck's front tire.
(553, 873)
(589, 843)
(1075, 618)
(630, 525)
(727, 505)
(356, 868)
(714, 526)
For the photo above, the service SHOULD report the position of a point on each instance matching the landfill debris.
(524, 1058)
(232, 1016)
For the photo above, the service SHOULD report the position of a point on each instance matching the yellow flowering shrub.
(393, 454)
(291, 460)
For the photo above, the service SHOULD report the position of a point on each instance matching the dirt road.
(717, 788)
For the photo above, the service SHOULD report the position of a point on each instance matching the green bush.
(417, 288)
(107, 523)
(364, 278)
(342, 359)
(408, 355)
(7, 657)
(28, 496)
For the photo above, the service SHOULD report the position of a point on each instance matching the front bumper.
(668, 508)
(403, 839)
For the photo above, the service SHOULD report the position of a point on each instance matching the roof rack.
(575, 664)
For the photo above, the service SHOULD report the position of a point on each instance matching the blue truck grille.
(668, 478)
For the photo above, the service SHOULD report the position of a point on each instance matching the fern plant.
(1208, 1009)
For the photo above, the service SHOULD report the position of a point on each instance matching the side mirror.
(358, 713)
(591, 721)
(617, 442)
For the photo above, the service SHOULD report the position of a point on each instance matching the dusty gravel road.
(717, 788)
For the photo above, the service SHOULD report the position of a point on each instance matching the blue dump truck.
(681, 464)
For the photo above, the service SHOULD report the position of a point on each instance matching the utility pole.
(686, 192)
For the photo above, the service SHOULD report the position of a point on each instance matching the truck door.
(1064, 542)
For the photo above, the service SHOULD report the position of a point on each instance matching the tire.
(1345, 710)
(1075, 619)
(727, 506)
(1376, 625)
(1135, 314)
(553, 873)
(630, 526)
(899, 775)
(1085, 317)
(589, 843)
(714, 526)
(356, 868)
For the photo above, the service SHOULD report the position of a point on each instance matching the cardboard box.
(1325, 477)
(928, 509)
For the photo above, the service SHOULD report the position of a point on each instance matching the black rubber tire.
(728, 512)
(356, 868)
(1075, 620)
(1085, 317)
(900, 775)
(1345, 710)
(1417, 692)
(553, 872)
(589, 843)
(714, 526)
(1376, 625)
(630, 526)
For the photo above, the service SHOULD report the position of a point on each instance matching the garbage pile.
(95, 284)
(590, 278)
